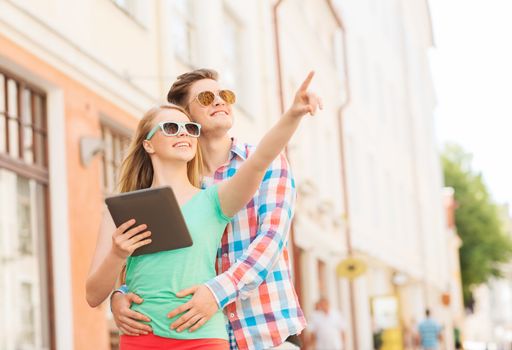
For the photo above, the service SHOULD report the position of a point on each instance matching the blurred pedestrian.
(457, 338)
(410, 336)
(430, 333)
(327, 327)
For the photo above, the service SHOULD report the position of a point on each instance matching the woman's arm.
(111, 253)
(239, 189)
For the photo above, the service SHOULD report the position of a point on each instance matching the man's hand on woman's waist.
(199, 309)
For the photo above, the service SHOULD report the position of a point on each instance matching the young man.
(326, 327)
(254, 285)
(430, 332)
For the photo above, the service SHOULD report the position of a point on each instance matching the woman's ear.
(148, 147)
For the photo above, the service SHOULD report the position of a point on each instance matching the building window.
(133, 9)
(231, 51)
(116, 142)
(25, 303)
(23, 131)
(183, 32)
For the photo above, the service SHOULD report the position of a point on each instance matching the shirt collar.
(238, 149)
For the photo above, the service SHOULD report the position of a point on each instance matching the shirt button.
(225, 255)
(231, 315)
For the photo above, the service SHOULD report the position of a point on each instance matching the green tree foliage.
(485, 245)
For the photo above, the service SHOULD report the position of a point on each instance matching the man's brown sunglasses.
(206, 98)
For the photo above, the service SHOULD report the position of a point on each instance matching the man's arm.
(237, 191)
(276, 201)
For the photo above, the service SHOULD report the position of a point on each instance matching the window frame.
(230, 19)
(34, 171)
(131, 12)
(117, 132)
(188, 20)
(16, 163)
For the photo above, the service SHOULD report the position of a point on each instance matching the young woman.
(164, 152)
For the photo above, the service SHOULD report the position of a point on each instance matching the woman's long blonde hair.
(137, 170)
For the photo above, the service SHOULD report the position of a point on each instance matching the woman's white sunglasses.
(174, 128)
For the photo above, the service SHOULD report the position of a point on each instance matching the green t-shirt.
(158, 277)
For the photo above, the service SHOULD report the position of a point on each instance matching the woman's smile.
(182, 144)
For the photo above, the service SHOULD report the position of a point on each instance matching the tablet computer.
(159, 210)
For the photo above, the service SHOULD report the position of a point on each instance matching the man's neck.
(216, 152)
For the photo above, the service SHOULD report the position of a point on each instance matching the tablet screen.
(159, 210)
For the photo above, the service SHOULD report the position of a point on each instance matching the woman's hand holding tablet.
(154, 209)
(126, 239)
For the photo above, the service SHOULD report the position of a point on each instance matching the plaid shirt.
(255, 286)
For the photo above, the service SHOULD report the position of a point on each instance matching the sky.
(472, 71)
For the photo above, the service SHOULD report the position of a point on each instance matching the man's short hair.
(178, 93)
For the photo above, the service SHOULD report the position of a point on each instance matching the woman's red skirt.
(154, 342)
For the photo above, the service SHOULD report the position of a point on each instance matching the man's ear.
(148, 147)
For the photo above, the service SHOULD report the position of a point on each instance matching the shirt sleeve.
(275, 201)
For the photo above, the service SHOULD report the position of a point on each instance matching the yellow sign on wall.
(351, 268)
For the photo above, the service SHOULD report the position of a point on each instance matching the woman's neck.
(215, 152)
(173, 174)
